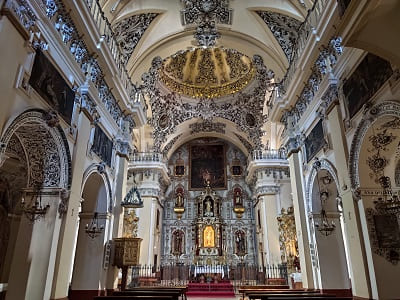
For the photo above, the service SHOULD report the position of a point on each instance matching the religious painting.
(236, 170)
(179, 170)
(102, 145)
(365, 81)
(209, 237)
(52, 87)
(314, 141)
(207, 164)
(387, 231)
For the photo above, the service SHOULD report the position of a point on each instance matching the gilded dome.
(207, 72)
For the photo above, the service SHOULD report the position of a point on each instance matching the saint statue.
(238, 198)
(179, 199)
(208, 207)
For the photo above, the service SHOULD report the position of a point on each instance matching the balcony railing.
(148, 157)
(307, 28)
(269, 154)
(107, 36)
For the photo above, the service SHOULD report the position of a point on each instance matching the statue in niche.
(179, 199)
(177, 247)
(240, 243)
(238, 198)
(208, 207)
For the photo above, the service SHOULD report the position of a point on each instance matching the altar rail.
(181, 274)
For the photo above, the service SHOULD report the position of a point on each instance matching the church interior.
(209, 149)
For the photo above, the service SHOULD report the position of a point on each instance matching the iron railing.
(182, 274)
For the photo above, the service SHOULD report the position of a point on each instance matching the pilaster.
(297, 184)
(352, 227)
(65, 258)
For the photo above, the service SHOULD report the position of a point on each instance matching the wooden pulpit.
(126, 253)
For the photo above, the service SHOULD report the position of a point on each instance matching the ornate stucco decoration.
(23, 12)
(129, 31)
(207, 72)
(72, 38)
(387, 108)
(205, 14)
(284, 28)
(244, 108)
(207, 126)
(326, 60)
(132, 199)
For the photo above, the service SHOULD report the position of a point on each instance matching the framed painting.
(51, 86)
(365, 81)
(207, 163)
(314, 141)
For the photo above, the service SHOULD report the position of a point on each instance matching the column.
(149, 189)
(297, 184)
(121, 172)
(65, 259)
(269, 221)
(352, 226)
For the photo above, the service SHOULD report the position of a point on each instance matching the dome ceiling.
(201, 62)
(207, 72)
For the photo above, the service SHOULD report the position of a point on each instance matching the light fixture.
(36, 210)
(324, 227)
(93, 229)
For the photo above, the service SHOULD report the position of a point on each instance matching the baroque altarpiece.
(212, 225)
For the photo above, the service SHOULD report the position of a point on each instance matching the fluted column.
(352, 226)
(297, 184)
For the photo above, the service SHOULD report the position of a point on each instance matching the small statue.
(238, 198)
(179, 199)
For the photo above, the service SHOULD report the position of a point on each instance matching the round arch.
(386, 108)
(325, 165)
(99, 169)
(45, 146)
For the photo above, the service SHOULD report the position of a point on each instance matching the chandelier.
(93, 229)
(324, 226)
(36, 210)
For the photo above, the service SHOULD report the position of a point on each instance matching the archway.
(35, 167)
(373, 157)
(329, 257)
(89, 275)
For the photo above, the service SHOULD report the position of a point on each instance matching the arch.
(45, 146)
(325, 165)
(386, 108)
(100, 170)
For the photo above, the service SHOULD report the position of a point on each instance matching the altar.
(217, 269)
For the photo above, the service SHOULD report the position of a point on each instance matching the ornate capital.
(294, 144)
(267, 190)
(122, 148)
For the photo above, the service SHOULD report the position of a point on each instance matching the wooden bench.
(174, 294)
(290, 295)
(132, 297)
(173, 291)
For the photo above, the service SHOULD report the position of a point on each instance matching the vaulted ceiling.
(264, 31)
